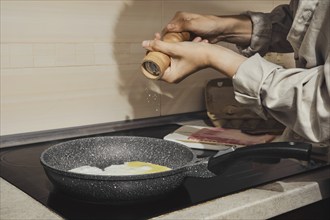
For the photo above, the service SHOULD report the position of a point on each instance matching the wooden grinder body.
(155, 63)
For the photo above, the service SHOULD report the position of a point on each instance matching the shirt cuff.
(248, 82)
(261, 34)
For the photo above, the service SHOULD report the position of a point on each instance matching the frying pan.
(105, 151)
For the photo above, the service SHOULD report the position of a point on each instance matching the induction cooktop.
(21, 167)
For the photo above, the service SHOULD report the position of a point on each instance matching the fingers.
(180, 22)
(158, 45)
(157, 36)
(170, 28)
(147, 45)
(199, 39)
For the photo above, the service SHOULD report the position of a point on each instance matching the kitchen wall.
(72, 63)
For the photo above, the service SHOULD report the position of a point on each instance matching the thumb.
(158, 45)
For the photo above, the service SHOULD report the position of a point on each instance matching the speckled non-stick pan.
(105, 151)
(102, 152)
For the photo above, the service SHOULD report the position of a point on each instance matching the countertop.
(262, 202)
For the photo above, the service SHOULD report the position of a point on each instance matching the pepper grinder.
(155, 63)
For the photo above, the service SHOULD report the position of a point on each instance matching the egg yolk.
(147, 167)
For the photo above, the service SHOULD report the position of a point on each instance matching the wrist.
(225, 60)
(236, 29)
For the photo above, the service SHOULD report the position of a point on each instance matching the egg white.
(128, 168)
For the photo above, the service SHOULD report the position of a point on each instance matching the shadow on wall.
(139, 20)
(142, 94)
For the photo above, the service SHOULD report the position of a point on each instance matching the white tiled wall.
(71, 63)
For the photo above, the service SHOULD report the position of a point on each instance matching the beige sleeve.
(298, 98)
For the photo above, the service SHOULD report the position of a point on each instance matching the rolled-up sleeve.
(298, 98)
(269, 31)
(248, 82)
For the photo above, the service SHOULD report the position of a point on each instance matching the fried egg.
(128, 168)
(87, 170)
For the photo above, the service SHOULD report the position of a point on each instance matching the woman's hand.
(205, 26)
(186, 57)
(235, 29)
(189, 57)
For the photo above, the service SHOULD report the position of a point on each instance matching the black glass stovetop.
(21, 167)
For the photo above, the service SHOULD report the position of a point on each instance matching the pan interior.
(102, 152)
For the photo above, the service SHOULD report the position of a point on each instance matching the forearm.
(298, 98)
(224, 60)
(237, 29)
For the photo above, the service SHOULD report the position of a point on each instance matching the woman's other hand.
(235, 29)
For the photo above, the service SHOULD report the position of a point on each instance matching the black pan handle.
(297, 150)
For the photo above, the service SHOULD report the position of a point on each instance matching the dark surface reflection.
(76, 209)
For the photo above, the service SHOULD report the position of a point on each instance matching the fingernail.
(145, 43)
(170, 26)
